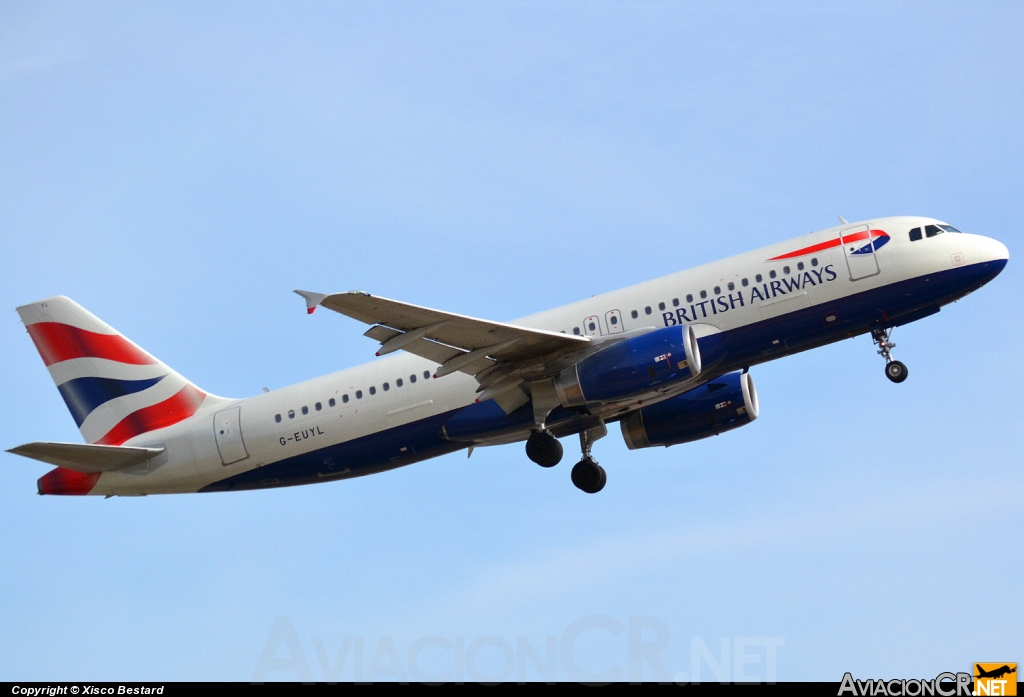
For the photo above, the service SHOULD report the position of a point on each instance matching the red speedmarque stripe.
(166, 413)
(809, 250)
(829, 245)
(58, 342)
(65, 482)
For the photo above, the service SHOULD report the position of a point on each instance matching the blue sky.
(180, 168)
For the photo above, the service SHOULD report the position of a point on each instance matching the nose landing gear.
(894, 370)
(587, 475)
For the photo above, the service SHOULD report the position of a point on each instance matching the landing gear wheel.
(588, 476)
(544, 449)
(896, 371)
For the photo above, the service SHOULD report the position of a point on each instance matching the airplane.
(668, 359)
(996, 673)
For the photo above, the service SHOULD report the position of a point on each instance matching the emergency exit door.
(613, 320)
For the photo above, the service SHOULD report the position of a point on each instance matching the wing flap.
(432, 351)
(381, 333)
(86, 458)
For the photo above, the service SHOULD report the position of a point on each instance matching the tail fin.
(113, 389)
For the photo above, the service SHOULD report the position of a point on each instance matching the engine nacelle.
(634, 366)
(721, 405)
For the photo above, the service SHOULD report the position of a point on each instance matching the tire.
(588, 476)
(896, 371)
(544, 449)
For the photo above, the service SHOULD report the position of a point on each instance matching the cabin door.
(859, 250)
(227, 429)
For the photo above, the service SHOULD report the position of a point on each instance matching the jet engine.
(721, 405)
(637, 365)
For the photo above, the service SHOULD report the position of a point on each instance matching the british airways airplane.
(667, 359)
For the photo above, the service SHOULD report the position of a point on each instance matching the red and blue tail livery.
(667, 359)
(114, 390)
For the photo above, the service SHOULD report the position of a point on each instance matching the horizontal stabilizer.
(86, 458)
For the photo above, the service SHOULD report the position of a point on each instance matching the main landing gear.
(894, 370)
(587, 475)
(544, 449)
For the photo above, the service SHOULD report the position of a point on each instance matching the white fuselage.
(396, 391)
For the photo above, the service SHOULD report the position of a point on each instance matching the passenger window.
(647, 310)
(814, 261)
(305, 410)
(592, 327)
(373, 389)
(412, 378)
(661, 306)
(732, 286)
(291, 413)
(576, 331)
(386, 387)
(675, 302)
(426, 374)
(398, 382)
(331, 402)
(771, 274)
(318, 406)
(703, 294)
(785, 270)
(718, 290)
(932, 230)
(359, 394)
(757, 278)
(613, 320)
(634, 314)
(745, 282)
(277, 418)
(344, 398)
(915, 234)
(689, 298)
(800, 266)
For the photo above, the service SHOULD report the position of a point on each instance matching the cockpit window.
(949, 228)
(932, 230)
(915, 234)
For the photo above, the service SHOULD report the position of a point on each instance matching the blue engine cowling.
(721, 405)
(637, 365)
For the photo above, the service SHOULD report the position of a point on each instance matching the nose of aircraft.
(989, 249)
(990, 255)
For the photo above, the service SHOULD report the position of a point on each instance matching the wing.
(86, 458)
(499, 355)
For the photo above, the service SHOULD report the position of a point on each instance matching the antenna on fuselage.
(842, 220)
